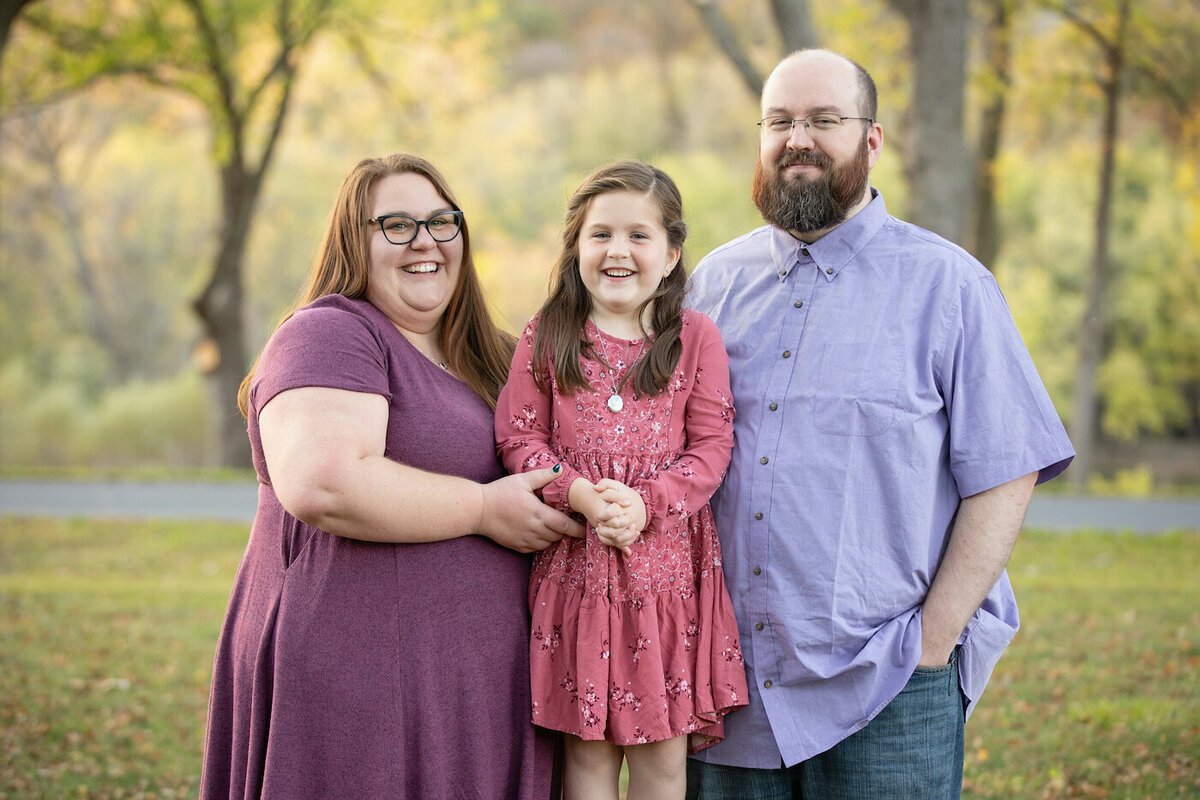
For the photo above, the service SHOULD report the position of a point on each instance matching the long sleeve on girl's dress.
(523, 418)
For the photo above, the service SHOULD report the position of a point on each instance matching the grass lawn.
(1099, 695)
(107, 633)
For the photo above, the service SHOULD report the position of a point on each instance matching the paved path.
(235, 502)
(1156, 515)
(232, 502)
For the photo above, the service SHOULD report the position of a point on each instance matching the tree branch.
(276, 127)
(282, 67)
(1085, 25)
(221, 77)
(728, 43)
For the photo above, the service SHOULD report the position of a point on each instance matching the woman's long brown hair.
(476, 349)
(560, 341)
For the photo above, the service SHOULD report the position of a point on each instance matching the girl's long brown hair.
(560, 341)
(476, 349)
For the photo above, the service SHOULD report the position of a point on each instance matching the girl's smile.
(624, 253)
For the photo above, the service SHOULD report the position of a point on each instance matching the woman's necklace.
(421, 349)
(615, 403)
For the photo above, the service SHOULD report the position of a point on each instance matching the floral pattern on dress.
(549, 641)
(674, 666)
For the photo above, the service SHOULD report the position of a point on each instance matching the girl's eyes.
(607, 235)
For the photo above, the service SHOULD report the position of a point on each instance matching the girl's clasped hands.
(615, 511)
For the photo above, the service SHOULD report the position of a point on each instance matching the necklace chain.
(615, 402)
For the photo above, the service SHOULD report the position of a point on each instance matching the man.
(890, 429)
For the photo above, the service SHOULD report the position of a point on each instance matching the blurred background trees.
(167, 166)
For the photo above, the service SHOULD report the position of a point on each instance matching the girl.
(634, 645)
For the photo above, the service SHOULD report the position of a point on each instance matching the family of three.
(769, 506)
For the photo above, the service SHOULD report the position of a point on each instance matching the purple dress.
(356, 669)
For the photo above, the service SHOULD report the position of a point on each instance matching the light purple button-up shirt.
(878, 379)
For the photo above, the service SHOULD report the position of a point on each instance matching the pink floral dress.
(639, 648)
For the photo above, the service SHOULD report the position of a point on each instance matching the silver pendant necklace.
(615, 403)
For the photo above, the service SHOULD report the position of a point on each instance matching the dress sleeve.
(523, 420)
(688, 483)
(326, 346)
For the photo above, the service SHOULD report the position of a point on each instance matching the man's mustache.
(807, 157)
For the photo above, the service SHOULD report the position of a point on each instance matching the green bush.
(52, 423)
(38, 424)
(159, 421)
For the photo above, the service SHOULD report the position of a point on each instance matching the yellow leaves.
(1131, 404)
(1187, 180)
(1134, 482)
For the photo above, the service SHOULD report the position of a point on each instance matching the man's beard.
(805, 205)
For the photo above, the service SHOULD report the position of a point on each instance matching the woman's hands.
(616, 511)
(513, 516)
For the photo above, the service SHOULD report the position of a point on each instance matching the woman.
(376, 639)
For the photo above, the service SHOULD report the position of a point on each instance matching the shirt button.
(758, 515)
(758, 570)
(773, 406)
(767, 684)
(829, 271)
(758, 626)
(798, 303)
(787, 353)
(763, 460)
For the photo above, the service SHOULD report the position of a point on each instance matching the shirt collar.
(836, 249)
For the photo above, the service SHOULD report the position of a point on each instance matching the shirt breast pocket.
(855, 388)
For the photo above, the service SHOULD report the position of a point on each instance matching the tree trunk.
(795, 24)
(219, 308)
(983, 234)
(937, 170)
(1093, 325)
(210, 64)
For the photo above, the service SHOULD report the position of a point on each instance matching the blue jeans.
(913, 750)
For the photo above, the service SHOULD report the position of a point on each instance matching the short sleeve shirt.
(878, 378)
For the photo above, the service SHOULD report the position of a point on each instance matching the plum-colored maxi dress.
(349, 669)
(640, 648)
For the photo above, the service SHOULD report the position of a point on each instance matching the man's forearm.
(984, 534)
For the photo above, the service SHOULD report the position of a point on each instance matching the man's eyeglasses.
(813, 123)
(402, 229)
